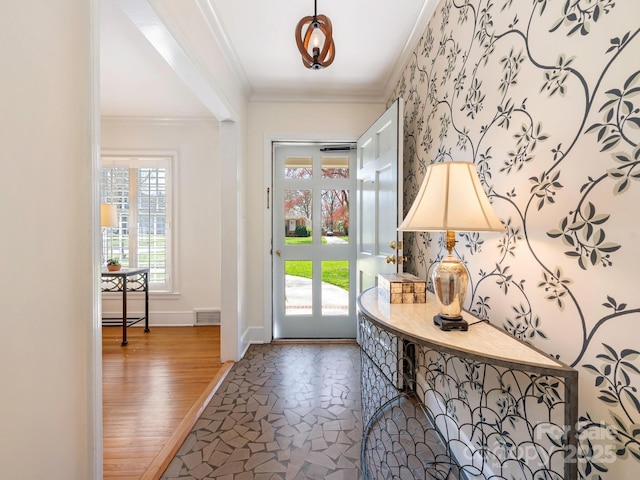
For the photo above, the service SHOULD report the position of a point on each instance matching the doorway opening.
(313, 240)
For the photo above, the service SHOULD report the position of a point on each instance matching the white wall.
(48, 275)
(196, 214)
(282, 121)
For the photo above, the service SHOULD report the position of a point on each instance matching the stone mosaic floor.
(285, 411)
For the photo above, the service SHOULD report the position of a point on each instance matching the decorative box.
(402, 288)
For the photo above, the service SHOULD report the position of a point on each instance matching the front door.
(313, 241)
(379, 177)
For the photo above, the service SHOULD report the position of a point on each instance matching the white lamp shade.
(451, 197)
(108, 215)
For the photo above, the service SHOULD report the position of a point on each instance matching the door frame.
(318, 323)
(267, 197)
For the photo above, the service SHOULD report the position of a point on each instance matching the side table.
(127, 280)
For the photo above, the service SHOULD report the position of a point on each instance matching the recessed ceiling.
(372, 39)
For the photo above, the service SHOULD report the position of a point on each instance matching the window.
(140, 188)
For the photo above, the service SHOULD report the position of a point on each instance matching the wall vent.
(207, 317)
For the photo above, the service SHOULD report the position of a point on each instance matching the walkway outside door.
(313, 241)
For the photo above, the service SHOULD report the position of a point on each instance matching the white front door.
(379, 174)
(313, 244)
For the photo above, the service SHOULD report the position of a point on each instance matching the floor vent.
(207, 317)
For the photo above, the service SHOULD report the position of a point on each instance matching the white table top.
(416, 320)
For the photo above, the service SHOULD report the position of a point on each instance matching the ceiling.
(373, 39)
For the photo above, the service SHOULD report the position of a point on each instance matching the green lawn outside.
(335, 272)
(307, 240)
(298, 268)
(301, 240)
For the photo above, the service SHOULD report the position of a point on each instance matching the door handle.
(400, 259)
(393, 245)
(279, 253)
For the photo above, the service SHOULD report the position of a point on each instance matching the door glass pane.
(335, 216)
(298, 167)
(335, 167)
(298, 299)
(335, 287)
(297, 217)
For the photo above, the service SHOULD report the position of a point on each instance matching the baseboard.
(252, 335)
(315, 341)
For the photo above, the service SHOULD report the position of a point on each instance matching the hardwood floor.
(153, 390)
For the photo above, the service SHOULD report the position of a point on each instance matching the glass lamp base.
(449, 281)
(448, 324)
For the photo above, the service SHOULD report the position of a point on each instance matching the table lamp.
(450, 199)
(108, 219)
(108, 215)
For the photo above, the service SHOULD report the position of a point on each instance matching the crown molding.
(302, 97)
(147, 120)
(422, 21)
(214, 23)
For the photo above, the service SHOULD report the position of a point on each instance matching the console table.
(478, 404)
(127, 280)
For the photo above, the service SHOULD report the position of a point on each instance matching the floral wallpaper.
(543, 96)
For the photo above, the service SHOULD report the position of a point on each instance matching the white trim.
(212, 19)
(426, 14)
(162, 121)
(252, 336)
(155, 24)
(267, 228)
(173, 220)
(138, 153)
(94, 351)
(302, 97)
(230, 189)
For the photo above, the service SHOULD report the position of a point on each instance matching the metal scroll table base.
(127, 280)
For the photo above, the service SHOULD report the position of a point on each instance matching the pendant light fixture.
(314, 37)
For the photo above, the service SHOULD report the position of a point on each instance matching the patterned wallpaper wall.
(542, 95)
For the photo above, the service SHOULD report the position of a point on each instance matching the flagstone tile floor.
(285, 411)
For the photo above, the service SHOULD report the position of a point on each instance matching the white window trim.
(123, 158)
